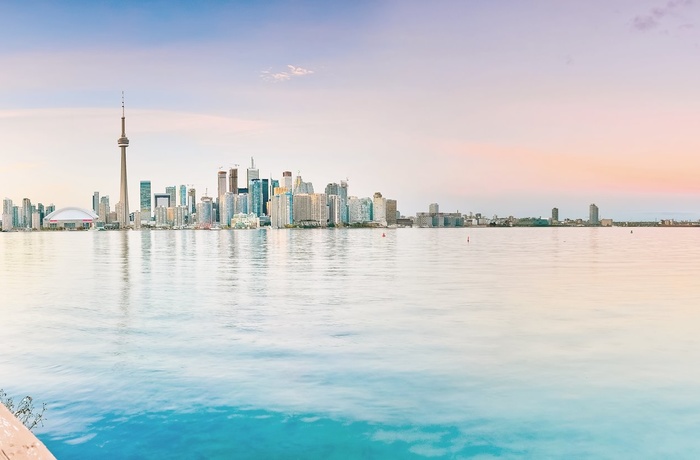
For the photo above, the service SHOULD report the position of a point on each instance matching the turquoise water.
(522, 343)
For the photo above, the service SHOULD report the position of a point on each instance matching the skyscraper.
(593, 215)
(287, 180)
(555, 214)
(253, 172)
(163, 200)
(183, 195)
(233, 180)
(379, 209)
(204, 213)
(221, 182)
(391, 212)
(265, 195)
(344, 216)
(104, 209)
(221, 190)
(255, 194)
(7, 215)
(192, 200)
(145, 196)
(172, 191)
(123, 142)
(26, 213)
(96, 202)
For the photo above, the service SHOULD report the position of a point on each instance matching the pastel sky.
(494, 106)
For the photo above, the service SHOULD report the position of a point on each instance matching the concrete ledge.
(17, 442)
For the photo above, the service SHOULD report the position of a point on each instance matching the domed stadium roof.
(71, 214)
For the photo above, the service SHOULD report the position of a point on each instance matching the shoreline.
(17, 442)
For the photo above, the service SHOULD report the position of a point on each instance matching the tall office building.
(287, 180)
(281, 210)
(379, 209)
(391, 213)
(344, 216)
(332, 189)
(233, 180)
(221, 190)
(255, 194)
(7, 215)
(265, 196)
(192, 200)
(123, 142)
(162, 200)
(104, 209)
(221, 183)
(205, 212)
(240, 203)
(26, 213)
(302, 187)
(253, 172)
(555, 214)
(7, 206)
(183, 195)
(96, 202)
(172, 191)
(301, 208)
(434, 208)
(227, 208)
(145, 198)
(334, 210)
(593, 215)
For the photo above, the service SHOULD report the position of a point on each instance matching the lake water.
(521, 343)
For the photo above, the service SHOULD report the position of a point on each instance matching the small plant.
(25, 411)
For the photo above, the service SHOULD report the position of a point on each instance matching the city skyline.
(482, 107)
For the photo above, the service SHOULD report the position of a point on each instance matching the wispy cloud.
(293, 71)
(299, 71)
(652, 19)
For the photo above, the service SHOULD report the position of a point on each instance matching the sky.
(501, 107)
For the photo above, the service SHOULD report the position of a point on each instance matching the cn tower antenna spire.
(122, 104)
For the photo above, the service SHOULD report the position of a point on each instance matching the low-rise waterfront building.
(71, 218)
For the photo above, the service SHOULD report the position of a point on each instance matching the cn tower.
(123, 211)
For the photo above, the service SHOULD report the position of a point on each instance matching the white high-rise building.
(287, 180)
(253, 173)
(228, 208)
(281, 210)
(334, 207)
(7, 215)
(36, 220)
(379, 209)
(360, 210)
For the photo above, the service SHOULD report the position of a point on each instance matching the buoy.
(467, 239)
(383, 235)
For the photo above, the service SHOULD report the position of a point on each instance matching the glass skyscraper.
(183, 195)
(256, 197)
(145, 199)
(172, 191)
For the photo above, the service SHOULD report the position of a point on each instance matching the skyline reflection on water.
(530, 342)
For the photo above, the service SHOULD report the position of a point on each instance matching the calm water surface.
(522, 343)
